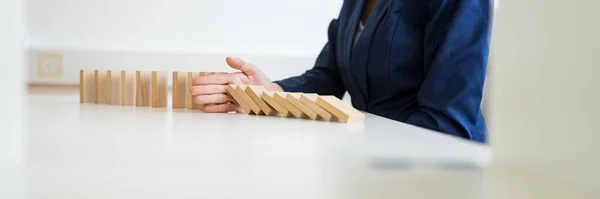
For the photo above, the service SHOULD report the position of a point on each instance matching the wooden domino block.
(179, 90)
(128, 85)
(87, 86)
(310, 100)
(190, 105)
(280, 98)
(102, 87)
(294, 99)
(255, 93)
(159, 89)
(241, 91)
(231, 90)
(268, 96)
(339, 109)
(143, 88)
(115, 87)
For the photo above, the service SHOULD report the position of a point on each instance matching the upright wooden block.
(231, 90)
(115, 87)
(268, 96)
(179, 90)
(102, 87)
(310, 101)
(280, 98)
(339, 109)
(255, 93)
(143, 88)
(128, 85)
(159, 89)
(294, 99)
(241, 91)
(87, 86)
(190, 105)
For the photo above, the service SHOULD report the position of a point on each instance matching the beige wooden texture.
(255, 92)
(159, 89)
(179, 90)
(294, 99)
(188, 96)
(310, 100)
(280, 98)
(102, 87)
(87, 86)
(339, 109)
(128, 85)
(143, 88)
(268, 96)
(231, 90)
(115, 87)
(241, 90)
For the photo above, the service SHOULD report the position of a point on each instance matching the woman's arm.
(457, 39)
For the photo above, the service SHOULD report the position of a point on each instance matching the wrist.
(274, 87)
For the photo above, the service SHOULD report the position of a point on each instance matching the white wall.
(11, 83)
(544, 114)
(285, 30)
(263, 27)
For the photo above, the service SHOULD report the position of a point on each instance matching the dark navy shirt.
(422, 62)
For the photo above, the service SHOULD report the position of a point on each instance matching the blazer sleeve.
(457, 36)
(324, 78)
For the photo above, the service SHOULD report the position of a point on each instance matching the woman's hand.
(212, 90)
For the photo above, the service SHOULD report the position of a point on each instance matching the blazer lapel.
(351, 30)
(360, 53)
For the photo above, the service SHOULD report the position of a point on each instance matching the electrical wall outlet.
(50, 65)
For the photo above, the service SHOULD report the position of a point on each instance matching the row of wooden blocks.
(149, 88)
(137, 88)
(257, 100)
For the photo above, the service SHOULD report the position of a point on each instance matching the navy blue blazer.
(422, 62)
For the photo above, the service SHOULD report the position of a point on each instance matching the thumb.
(239, 64)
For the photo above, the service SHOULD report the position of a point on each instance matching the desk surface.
(104, 151)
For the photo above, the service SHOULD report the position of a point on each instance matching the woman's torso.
(384, 69)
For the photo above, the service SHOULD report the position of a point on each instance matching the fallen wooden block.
(159, 89)
(241, 91)
(339, 109)
(179, 90)
(231, 90)
(87, 86)
(255, 93)
(128, 84)
(310, 100)
(102, 87)
(294, 99)
(280, 97)
(114, 78)
(143, 88)
(268, 96)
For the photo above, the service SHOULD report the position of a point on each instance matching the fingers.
(213, 99)
(239, 64)
(208, 89)
(213, 79)
(222, 108)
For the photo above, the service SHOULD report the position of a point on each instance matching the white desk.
(103, 151)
